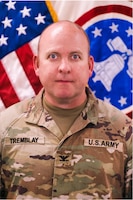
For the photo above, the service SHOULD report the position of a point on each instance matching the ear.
(91, 65)
(35, 65)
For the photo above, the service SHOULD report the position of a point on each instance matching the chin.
(64, 96)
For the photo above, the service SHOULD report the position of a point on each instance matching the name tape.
(25, 140)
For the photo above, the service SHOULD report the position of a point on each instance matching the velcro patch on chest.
(117, 145)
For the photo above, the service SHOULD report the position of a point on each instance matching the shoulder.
(13, 112)
(18, 110)
(106, 113)
(110, 110)
(112, 114)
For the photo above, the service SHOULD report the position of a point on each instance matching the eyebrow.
(76, 52)
(58, 52)
(80, 52)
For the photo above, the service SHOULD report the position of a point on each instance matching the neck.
(66, 103)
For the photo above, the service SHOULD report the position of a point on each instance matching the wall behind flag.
(109, 27)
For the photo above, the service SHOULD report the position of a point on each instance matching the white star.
(7, 22)
(107, 100)
(122, 101)
(132, 91)
(40, 19)
(25, 11)
(94, 92)
(10, 5)
(129, 31)
(21, 29)
(3, 40)
(97, 32)
(114, 27)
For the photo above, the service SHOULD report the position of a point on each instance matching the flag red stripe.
(7, 92)
(25, 55)
(130, 114)
(102, 10)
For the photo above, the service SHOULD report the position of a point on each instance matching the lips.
(64, 81)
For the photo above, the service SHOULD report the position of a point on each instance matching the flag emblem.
(111, 47)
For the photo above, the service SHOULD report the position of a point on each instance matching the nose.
(64, 67)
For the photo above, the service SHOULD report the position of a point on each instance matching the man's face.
(63, 66)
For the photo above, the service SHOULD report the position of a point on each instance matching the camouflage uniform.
(92, 161)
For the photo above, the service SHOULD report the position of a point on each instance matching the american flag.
(21, 24)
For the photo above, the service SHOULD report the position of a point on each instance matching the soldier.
(65, 143)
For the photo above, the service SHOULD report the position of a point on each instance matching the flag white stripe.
(17, 76)
(34, 44)
(2, 107)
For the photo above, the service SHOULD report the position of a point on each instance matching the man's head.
(63, 63)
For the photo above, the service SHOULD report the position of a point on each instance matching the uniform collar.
(36, 114)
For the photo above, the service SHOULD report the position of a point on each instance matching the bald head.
(63, 27)
(63, 64)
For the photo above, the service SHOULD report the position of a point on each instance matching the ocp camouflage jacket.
(92, 161)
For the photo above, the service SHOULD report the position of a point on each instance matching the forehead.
(63, 33)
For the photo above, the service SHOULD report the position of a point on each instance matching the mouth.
(64, 81)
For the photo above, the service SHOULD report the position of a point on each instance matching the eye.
(76, 56)
(52, 56)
